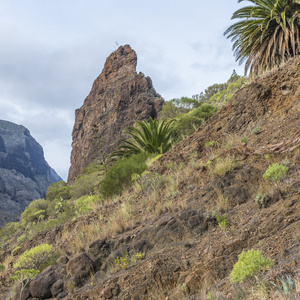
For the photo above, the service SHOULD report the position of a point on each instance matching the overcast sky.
(52, 50)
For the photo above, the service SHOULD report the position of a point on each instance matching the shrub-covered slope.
(228, 193)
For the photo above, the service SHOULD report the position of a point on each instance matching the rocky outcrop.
(119, 97)
(24, 173)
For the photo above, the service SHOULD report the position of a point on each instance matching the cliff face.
(119, 97)
(24, 173)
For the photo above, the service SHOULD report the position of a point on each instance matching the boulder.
(42, 285)
(79, 268)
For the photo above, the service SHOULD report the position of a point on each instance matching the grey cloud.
(49, 60)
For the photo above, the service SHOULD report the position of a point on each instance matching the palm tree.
(152, 137)
(267, 35)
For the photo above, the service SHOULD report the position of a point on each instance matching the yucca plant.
(267, 35)
(149, 137)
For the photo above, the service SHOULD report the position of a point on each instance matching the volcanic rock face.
(24, 173)
(119, 97)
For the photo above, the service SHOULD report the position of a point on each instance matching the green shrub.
(85, 185)
(210, 144)
(82, 204)
(47, 224)
(93, 167)
(122, 261)
(57, 190)
(275, 172)
(61, 205)
(186, 124)
(222, 220)
(36, 211)
(256, 130)
(52, 222)
(119, 175)
(261, 199)
(21, 238)
(15, 249)
(137, 257)
(249, 264)
(23, 277)
(2, 268)
(9, 230)
(36, 258)
(225, 95)
(171, 109)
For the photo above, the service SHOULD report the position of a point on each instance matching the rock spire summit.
(119, 97)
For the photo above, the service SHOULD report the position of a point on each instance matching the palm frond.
(267, 33)
(151, 137)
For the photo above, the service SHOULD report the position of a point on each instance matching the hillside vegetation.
(200, 204)
(215, 217)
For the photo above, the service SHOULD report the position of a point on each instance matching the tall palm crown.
(268, 34)
(152, 137)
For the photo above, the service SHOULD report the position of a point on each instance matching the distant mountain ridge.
(24, 173)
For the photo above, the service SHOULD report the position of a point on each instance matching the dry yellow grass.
(7, 263)
(223, 165)
(222, 203)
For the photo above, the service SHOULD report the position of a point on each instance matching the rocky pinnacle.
(119, 97)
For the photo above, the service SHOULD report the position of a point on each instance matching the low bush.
(249, 264)
(222, 220)
(85, 185)
(58, 190)
(21, 238)
(124, 262)
(261, 199)
(225, 95)
(119, 175)
(82, 205)
(36, 211)
(60, 205)
(93, 167)
(37, 258)
(14, 250)
(32, 262)
(186, 124)
(8, 231)
(275, 172)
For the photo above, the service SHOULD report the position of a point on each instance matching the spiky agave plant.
(150, 137)
(267, 35)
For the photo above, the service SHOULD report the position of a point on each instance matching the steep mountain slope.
(119, 97)
(170, 215)
(24, 173)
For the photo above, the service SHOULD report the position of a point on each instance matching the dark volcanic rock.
(79, 268)
(49, 282)
(119, 97)
(24, 173)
